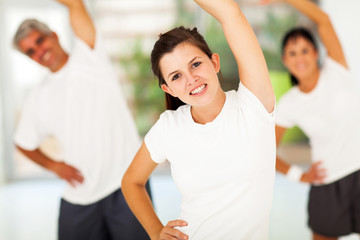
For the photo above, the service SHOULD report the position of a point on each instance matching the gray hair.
(26, 27)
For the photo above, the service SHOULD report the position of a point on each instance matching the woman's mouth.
(198, 90)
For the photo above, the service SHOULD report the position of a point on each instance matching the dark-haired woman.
(221, 145)
(324, 102)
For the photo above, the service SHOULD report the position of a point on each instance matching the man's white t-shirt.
(83, 108)
(330, 116)
(224, 169)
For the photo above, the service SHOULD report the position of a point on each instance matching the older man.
(81, 105)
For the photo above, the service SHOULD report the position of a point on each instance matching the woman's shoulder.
(330, 65)
(290, 96)
(175, 116)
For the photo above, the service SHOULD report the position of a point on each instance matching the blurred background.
(29, 195)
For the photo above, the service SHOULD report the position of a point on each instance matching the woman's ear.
(283, 58)
(317, 54)
(166, 89)
(215, 59)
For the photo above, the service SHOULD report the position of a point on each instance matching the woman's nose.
(191, 78)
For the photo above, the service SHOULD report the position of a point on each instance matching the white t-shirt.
(83, 108)
(330, 116)
(224, 169)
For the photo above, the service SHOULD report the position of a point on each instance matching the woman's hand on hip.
(169, 232)
(315, 175)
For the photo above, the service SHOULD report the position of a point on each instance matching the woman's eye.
(195, 65)
(292, 54)
(305, 51)
(176, 76)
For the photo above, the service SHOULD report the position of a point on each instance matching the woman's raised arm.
(253, 72)
(325, 28)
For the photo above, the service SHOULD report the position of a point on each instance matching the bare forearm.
(281, 165)
(242, 40)
(80, 21)
(325, 28)
(226, 10)
(64, 171)
(38, 157)
(140, 203)
(311, 10)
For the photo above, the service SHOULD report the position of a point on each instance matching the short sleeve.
(28, 134)
(332, 65)
(86, 50)
(250, 101)
(92, 61)
(155, 140)
(283, 114)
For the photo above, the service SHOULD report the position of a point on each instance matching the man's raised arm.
(80, 21)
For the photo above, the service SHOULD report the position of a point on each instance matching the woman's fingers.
(317, 173)
(176, 223)
(169, 232)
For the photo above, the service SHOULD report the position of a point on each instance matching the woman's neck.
(208, 113)
(308, 83)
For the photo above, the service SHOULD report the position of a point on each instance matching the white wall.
(345, 15)
(3, 95)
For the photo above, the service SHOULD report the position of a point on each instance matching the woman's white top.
(330, 116)
(224, 169)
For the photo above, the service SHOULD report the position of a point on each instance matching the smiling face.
(300, 57)
(44, 49)
(191, 75)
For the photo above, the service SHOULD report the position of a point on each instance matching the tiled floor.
(28, 209)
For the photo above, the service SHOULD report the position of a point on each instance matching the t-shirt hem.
(284, 125)
(82, 201)
(339, 176)
(24, 145)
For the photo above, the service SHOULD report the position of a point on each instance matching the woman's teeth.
(198, 90)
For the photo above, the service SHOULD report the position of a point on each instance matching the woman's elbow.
(125, 182)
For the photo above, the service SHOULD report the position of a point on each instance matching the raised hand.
(68, 173)
(170, 233)
(81, 21)
(266, 2)
(69, 2)
(315, 175)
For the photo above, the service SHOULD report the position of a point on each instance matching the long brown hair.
(166, 44)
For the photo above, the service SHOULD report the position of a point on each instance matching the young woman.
(323, 102)
(221, 145)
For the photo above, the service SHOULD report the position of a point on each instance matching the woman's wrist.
(294, 173)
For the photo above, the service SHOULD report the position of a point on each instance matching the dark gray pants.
(107, 219)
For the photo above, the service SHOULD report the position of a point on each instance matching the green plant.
(148, 97)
